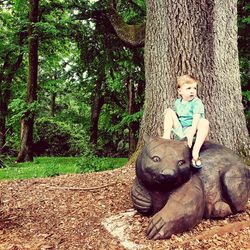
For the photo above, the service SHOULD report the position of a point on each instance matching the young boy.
(188, 118)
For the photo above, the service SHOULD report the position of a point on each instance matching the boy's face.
(188, 91)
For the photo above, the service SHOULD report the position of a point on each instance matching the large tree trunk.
(197, 38)
(27, 122)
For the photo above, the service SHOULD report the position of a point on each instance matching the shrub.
(58, 138)
(51, 138)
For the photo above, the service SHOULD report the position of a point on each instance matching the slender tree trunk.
(2, 134)
(3, 115)
(96, 110)
(2, 104)
(97, 104)
(2, 120)
(133, 126)
(135, 101)
(131, 110)
(197, 38)
(26, 153)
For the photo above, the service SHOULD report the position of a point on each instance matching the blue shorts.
(180, 132)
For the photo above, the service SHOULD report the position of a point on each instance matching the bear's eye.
(156, 158)
(181, 162)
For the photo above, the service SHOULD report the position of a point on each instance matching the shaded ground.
(66, 212)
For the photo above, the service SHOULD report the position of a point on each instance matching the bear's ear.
(146, 137)
(185, 140)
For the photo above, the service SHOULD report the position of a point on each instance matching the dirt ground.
(66, 212)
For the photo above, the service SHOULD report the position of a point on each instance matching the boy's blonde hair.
(185, 79)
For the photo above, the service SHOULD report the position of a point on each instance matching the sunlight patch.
(119, 226)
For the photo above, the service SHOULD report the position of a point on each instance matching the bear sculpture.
(179, 196)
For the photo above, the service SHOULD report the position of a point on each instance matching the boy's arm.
(196, 119)
(198, 110)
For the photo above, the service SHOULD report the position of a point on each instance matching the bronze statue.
(179, 196)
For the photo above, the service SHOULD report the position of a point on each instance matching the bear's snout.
(161, 179)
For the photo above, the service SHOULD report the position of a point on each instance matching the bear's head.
(163, 164)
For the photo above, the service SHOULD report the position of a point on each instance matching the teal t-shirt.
(186, 110)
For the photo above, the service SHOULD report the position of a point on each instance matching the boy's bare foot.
(196, 163)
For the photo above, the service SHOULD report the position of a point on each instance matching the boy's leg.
(201, 135)
(170, 121)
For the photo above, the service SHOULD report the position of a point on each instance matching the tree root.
(77, 188)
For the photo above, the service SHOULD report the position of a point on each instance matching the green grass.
(53, 166)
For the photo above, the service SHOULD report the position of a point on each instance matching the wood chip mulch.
(66, 212)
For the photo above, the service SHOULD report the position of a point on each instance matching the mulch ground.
(66, 212)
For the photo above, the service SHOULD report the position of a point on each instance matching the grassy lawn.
(53, 166)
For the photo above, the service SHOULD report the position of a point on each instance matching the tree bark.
(27, 122)
(197, 38)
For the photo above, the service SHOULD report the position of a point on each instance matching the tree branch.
(132, 34)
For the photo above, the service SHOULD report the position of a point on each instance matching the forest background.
(89, 95)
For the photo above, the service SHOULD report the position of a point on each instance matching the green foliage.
(2, 164)
(126, 120)
(54, 137)
(87, 162)
(47, 29)
(246, 101)
(51, 170)
(19, 5)
(95, 164)
(244, 54)
(246, 20)
(105, 60)
(77, 50)
(53, 166)
(246, 94)
(18, 107)
(133, 12)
